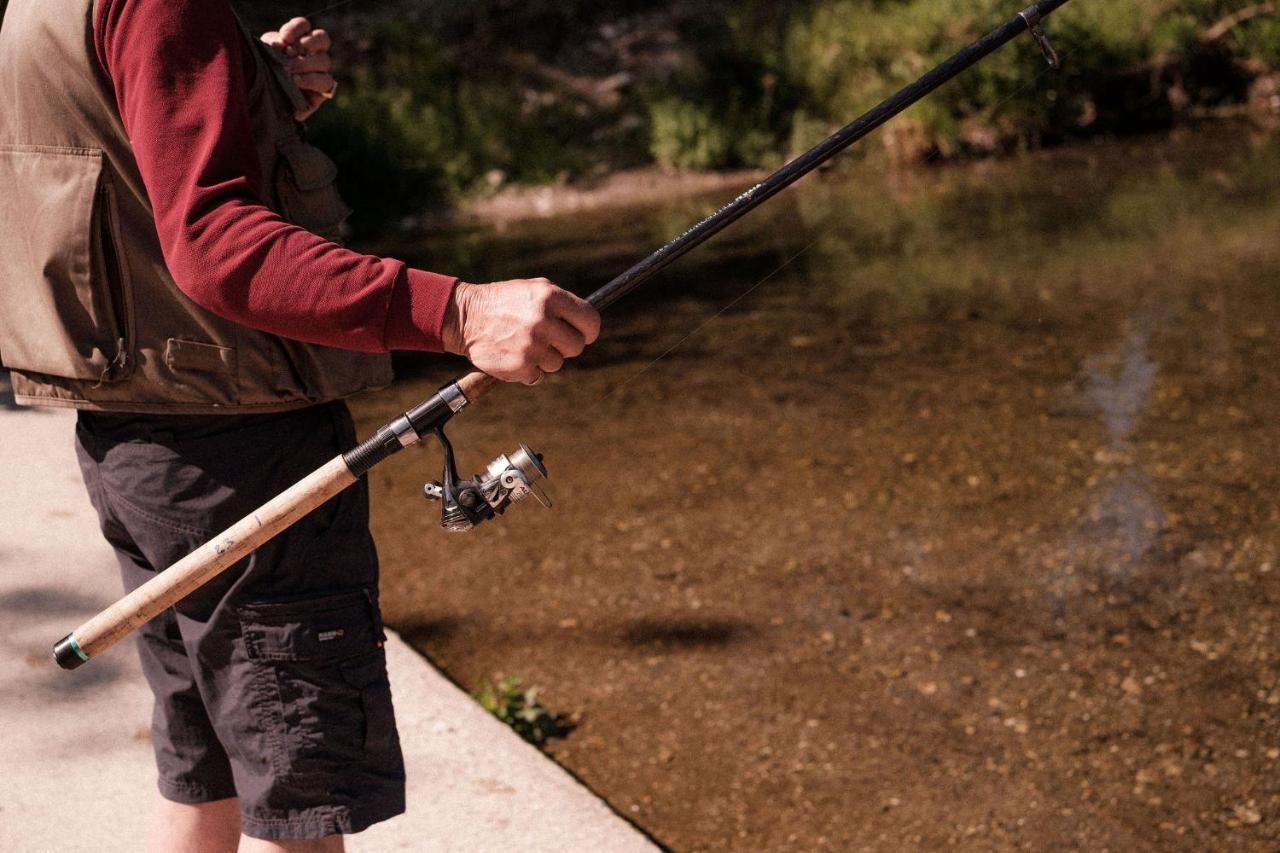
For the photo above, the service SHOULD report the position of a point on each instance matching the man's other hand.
(518, 330)
(306, 57)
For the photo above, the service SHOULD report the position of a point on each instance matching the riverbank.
(630, 188)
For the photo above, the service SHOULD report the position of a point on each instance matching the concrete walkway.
(75, 760)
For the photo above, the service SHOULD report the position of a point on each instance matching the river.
(920, 508)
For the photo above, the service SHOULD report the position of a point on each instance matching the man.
(167, 268)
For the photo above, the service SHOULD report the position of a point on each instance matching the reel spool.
(508, 479)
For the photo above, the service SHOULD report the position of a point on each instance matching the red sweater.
(180, 70)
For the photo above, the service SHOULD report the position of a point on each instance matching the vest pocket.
(306, 188)
(183, 355)
(64, 297)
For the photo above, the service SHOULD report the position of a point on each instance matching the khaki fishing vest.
(90, 317)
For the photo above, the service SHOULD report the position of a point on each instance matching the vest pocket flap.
(310, 168)
(62, 292)
(182, 355)
(306, 190)
(329, 629)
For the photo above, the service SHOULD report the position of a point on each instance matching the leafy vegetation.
(520, 709)
(444, 101)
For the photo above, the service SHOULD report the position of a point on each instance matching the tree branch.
(1235, 19)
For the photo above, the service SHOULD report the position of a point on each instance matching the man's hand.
(306, 53)
(518, 330)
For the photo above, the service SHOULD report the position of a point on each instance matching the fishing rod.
(510, 478)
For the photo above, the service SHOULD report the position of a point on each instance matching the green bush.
(687, 135)
(692, 135)
(1122, 65)
(417, 124)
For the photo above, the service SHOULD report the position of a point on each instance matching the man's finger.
(564, 338)
(273, 39)
(293, 31)
(320, 63)
(319, 83)
(578, 313)
(551, 363)
(317, 41)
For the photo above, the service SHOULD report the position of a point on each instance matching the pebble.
(1247, 814)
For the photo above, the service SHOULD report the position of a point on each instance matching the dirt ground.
(995, 566)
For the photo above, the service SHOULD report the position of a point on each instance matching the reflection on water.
(987, 476)
(1121, 394)
(1124, 520)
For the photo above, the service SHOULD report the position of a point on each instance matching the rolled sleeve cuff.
(415, 316)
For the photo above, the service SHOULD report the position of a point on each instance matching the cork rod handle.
(477, 384)
(218, 554)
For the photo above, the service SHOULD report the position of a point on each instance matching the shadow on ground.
(42, 601)
(50, 685)
(669, 634)
(681, 633)
(422, 633)
(37, 678)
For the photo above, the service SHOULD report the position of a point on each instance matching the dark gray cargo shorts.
(270, 682)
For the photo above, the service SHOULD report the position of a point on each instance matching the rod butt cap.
(68, 654)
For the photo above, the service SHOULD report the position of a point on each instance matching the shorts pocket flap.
(316, 629)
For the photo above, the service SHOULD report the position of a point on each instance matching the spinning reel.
(507, 480)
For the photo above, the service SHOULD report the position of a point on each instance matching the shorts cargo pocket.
(64, 293)
(319, 666)
(369, 676)
(306, 188)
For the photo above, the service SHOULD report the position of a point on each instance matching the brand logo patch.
(330, 635)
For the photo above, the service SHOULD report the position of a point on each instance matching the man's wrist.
(455, 319)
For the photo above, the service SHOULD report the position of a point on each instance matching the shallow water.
(917, 509)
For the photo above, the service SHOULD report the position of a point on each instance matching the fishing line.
(708, 321)
(820, 236)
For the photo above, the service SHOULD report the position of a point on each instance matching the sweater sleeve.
(179, 71)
